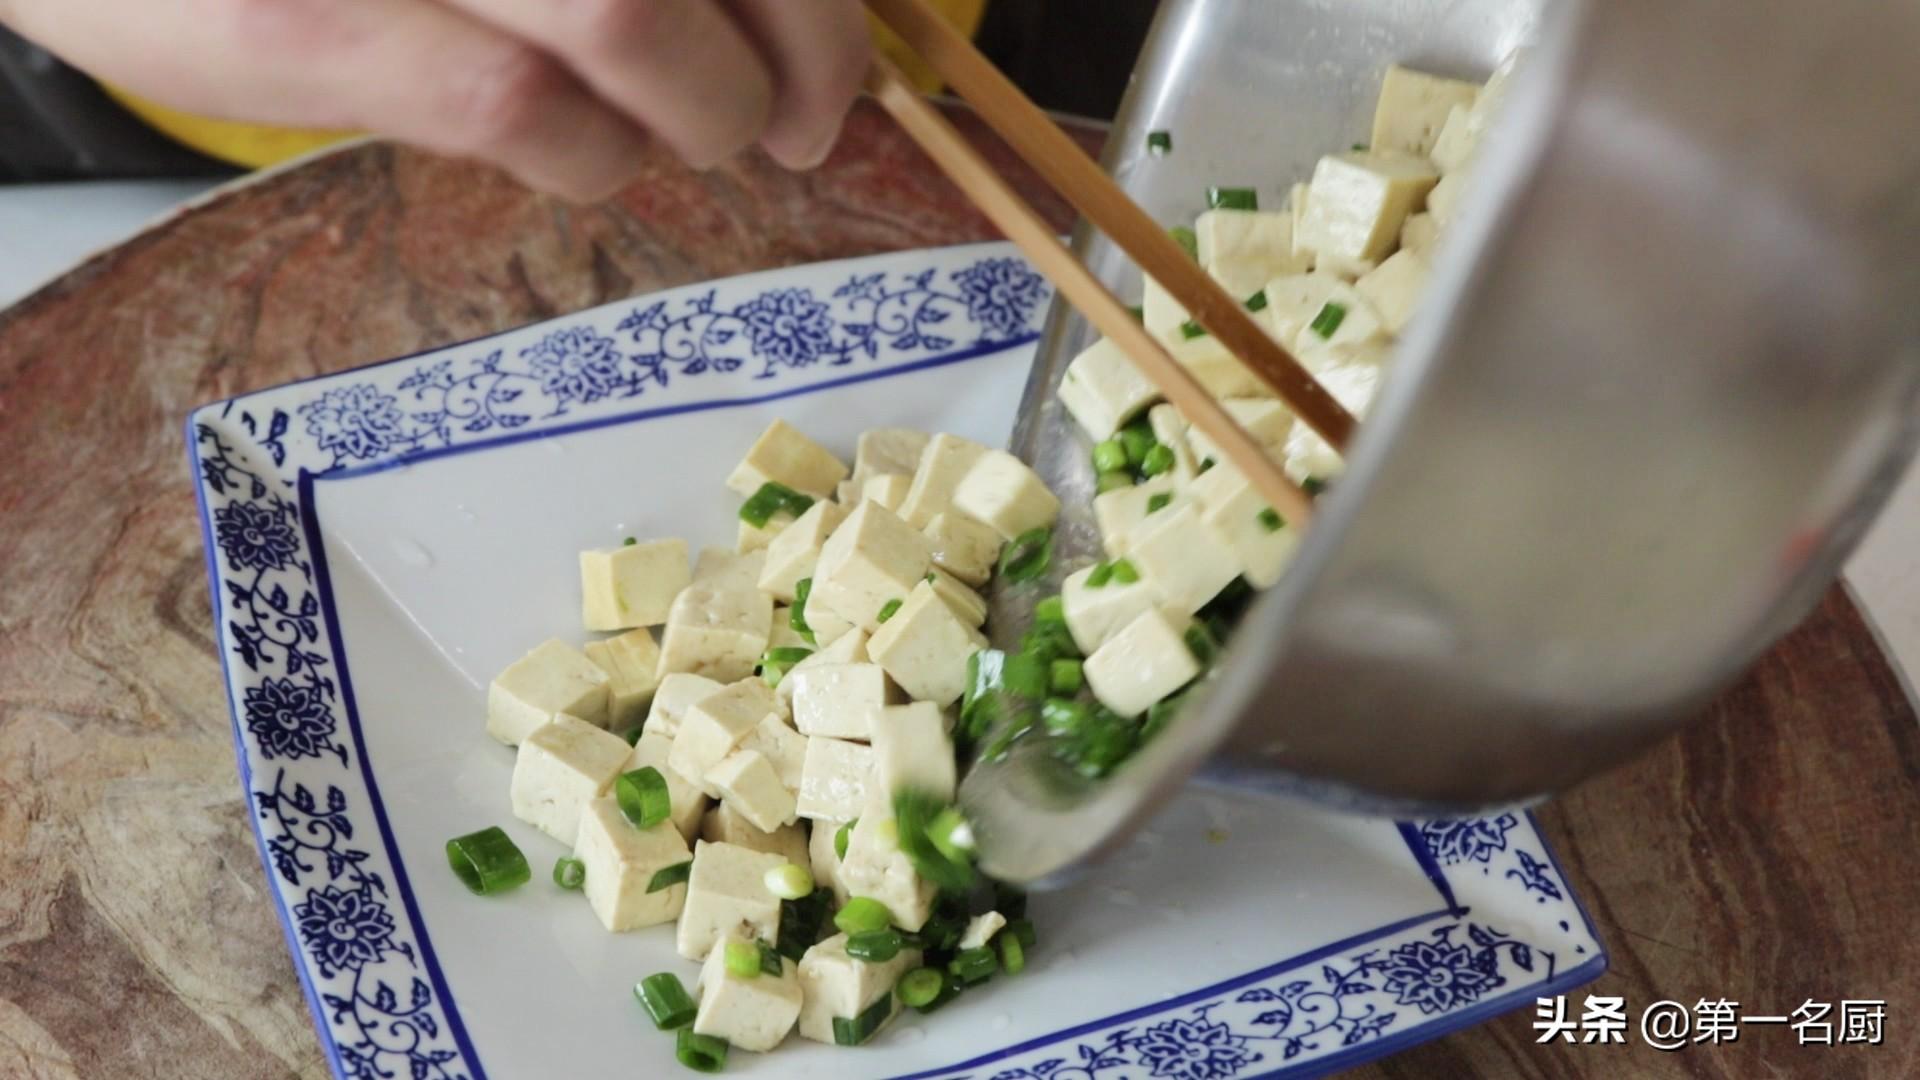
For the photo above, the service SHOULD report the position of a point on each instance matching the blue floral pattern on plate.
(373, 988)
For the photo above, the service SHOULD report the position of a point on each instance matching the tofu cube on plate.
(783, 455)
(1142, 664)
(631, 586)
(924, 647)
(833, 785)
(752, 1013)
(621, 861)
(835, 984)
(554, 678)
(561, 767)
(727, 894)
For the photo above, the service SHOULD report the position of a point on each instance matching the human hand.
(562, 93)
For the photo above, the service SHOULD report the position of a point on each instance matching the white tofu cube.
(1414, 106)
(749, 538)
(631, 586)
(826, 861)
(1143, 663)
(1001, 491)
(713, 727)
(1444, 201)
(621, 861)
(887, 489)
(782, 455)
(1295, 304)
(1184, 558)
(887, 450)
(835, 985)
(969, 606)
(1245, 249)
(833, 786)
(794, 553)
(1459, 137)
(849, 648)
(1220, 372)
(753, 1013)
(677, 692)
(1395, 288)
(944, 461)
(725, 825)
(981, 928)
(723, 566)
(1262, 541)
(1266, 419)
(912, 750)
(876, 868)
(1347, 270)
(1297, 198)
(687, 799)
(1159, 311)
(838, 700)
(1103, 390)
(1352, 375)
(1420, 235)
(872, 558)
(554, 678)
(746, 781)
(963, 547)
(1170, 430)
(719, 627)
(632, 663)
(727, 894)
(925, 646)
(1118, 511)
(1094, 615)
(1358, 201)
(784, 748)
(561, 767)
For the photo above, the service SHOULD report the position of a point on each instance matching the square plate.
(382, 540)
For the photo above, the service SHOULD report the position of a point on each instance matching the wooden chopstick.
(1024, 227)
(1065, 166)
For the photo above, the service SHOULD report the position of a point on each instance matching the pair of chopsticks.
(1063, 165)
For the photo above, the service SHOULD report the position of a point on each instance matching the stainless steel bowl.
(1665, 376)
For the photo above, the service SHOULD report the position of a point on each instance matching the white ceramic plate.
(382, 540)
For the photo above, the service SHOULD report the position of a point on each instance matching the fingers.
(819, 50)
(682, 68)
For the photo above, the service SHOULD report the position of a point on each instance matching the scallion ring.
(668, 876)
(1025, 557)
(488, 861)
(701, 1053)
(642, 795)
(570, 873)
(665, 1000)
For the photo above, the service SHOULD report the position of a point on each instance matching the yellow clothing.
(256, 146)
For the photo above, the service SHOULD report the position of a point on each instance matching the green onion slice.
(1113, 480)
(1159, 501)
(569, 873)
(852, 1031)
(1066, 676)
(1201, 643)
(973, 965)
(1052, 609)
(1332, 314)
(1109, 455)
(789, 881)
(770, 960)
(1013, 955)
(1025, 673)
(862, 913)
(1188, 242)
(701, 1053)
(888, 610)
(1124, 572)
(1257, 301)
(840, 837)
(1022, 930)
(665, 1000)
(1233, 198)
(1313, 485)
(1064, 716)
(629, 542)
(743, 959)
(773, 498)
(1158, 460)
(668, 876)
(1270, 519)
(875, 946)
(1205, 464)
(797, 615)
(1159, 143)
(642, 795)
(1025, 557)
(775, 664)
(1191, 329)
(916, 815)
(800, 923)
(1102, 573)
(918, 988)
(488, 861)
(1137, 438)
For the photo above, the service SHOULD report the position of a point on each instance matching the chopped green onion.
(770, 960)
(1191, 329)
(1022, 931)
(1113, 480)
(1270, 520)
(1205, 464)
(668, 876)
(1233, 198)
(1159, 143)
(918, 988)
(1329, 319)
(632, 735)
(1013, 955)
(983, 677)
(852, 1031)
(875, 946)
(1052, 609)
(1124, 573)
(917, 816)
(488, 861)
(1139, 313)
(1313, 485)
(797, 615)
(788, 881)
(1102, 573)
(1201, 643)
(569, 873)
(1258, 301)
(1049, 640)
(1137, 438)
(1025, 673)
(1065, 676)
(888, 610)
(1104, 743)
(840, 838)
(1160, 714)
(1359, 148)
(642, 795)
(1186, 239)
(1025, 556)
(701, 1053)
(800, 923)
(1158, 460)
(1064, 716)
(973, 965)
(773, 498)
(952, 835)
(861, 914)
(743, 959)
(629, 542)
(1109, 455)
(665, 1000)
(778, 661)
(931, 578)
(1159, 501)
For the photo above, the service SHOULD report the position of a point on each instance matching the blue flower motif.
(344, 929)
(575, 364)
(354, 421)
(255, 537)
(1001, 295)
(288, 719)
(1193, 1050)
(1438, 976)
(1467, 839)
(788, 326)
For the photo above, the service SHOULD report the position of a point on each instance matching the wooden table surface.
(1769, 855)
